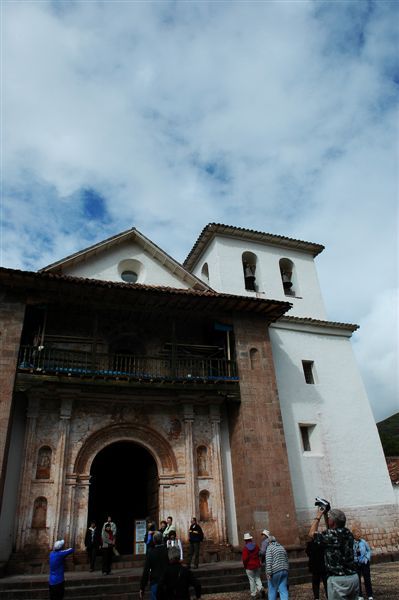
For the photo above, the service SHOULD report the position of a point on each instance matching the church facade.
(135, 386)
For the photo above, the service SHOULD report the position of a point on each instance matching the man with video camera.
(337, 541)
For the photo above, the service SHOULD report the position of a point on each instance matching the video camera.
(322, 503)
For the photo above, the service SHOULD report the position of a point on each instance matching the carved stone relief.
(43, 466)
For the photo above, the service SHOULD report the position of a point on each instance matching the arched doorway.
(123, 484)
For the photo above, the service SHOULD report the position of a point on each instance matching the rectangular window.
(308, 367)
(306, 435)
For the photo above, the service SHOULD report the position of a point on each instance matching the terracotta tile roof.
(55, 276)
(213, 229)
(319, 322)
(144, 296)
(393, 469)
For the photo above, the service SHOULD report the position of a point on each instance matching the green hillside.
(389, 434)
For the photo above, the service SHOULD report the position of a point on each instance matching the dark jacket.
(156, 562)
(196, 534)
(92, 540)
(315, 553)
(176, 582)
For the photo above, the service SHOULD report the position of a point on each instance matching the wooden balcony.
(44, 361)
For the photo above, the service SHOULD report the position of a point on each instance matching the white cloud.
(377, 353)
(275, 116)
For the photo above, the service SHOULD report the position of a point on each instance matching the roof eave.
(155, 251)
(213, 229)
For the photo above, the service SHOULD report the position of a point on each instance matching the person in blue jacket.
(56, 579)
(362, 554)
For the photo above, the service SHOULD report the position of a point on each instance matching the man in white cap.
(263, 545)
(56, 579)
(250, 559)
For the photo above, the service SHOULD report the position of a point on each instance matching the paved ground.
(384, 578)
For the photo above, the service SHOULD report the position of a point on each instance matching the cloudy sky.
(276, 116)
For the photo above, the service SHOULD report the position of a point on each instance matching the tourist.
(156, 562)
(92, 543)
(263, 545)
(196, 536)
(177, 580)
(56, 579)
(276, 570)
(162, 527)
(169, 527)
(149, 536)
(362, 555)
(338, 543)
(108, 544)
(173, 541)
(110, 522)
(251, 561)
(317, 567)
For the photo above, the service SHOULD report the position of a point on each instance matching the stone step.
(124, 584)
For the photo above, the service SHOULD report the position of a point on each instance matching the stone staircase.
(123, 583)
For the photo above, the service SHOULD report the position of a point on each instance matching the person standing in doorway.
(196, 535)
(251, 562)
(108, 544)
(56, 580)
(92, 543)
(110, 522)
(162, 527)
(169, 527)
(149, 535)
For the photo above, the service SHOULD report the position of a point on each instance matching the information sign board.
(140, 527)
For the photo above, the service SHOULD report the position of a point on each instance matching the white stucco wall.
(224, 258)
(106, 266)
(395, 490)
(346, 462)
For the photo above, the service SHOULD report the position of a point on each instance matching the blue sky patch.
(94, 205)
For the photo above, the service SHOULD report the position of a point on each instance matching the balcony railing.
(42, 360)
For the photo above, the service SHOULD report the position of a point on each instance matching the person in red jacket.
(251, 561)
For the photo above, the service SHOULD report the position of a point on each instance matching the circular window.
(129, 276)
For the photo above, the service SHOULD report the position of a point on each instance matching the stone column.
(59, 478)
(29, 462)
(189, 459)
(79, 490)
(218, 501)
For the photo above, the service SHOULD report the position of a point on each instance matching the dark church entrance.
(124, 485)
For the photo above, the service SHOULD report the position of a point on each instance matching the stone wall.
(11, 320)
(71, 426)
(379, 525)
(262, 483)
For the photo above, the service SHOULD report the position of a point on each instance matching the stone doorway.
(123, 484)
